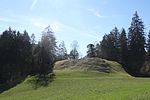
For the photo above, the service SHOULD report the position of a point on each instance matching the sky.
(85, 21)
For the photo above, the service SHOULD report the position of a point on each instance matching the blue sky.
(83, 20)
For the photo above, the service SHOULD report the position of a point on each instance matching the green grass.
(83, 85)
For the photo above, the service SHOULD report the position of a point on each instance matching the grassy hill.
(84, 79)
(83, 85)
(96, 64)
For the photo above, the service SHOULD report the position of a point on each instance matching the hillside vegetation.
(83, 85)
(96, 64)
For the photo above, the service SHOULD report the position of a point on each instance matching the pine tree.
(136, 44)
(148, 46)
(45, 53)
(115, 39)
(123, 48)
(108, 48)
(91, 50)
(98, 50)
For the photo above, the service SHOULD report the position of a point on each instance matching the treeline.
(21, 55)
(131, 49)
(15, 55)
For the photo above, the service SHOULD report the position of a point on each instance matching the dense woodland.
(130, 48)
(21, 55)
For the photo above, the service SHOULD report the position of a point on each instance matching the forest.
(21, 55)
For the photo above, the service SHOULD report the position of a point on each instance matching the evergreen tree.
(91, 50)
(26, 53)
(45, 52)
(32, 40)
(98, 50)
(148, 46)
(136, 44)
(107, 47)
(110, 46)
(116, 43)
(123, 48)
(7, 56)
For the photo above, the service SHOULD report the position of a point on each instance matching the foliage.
(21, 56)
(91, 50)
(148, 47)
(123, 50)
(61, 51)
(74, 54)
(130, 52)
(136, 45)
(45, 53)
(15, 55)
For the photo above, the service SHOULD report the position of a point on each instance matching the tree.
(62, 51)
(74, 52)
(98, 50)
(7, 55)
(123, 48)
(148, 46)
(15, 52)
(91, 50)
(136, 44)
(45, 52)
(26, 53)
(116, 43)
(33, 44)
(33, 39)
(108, 48)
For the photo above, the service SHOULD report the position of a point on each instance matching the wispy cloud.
(96, 13)
(41, 24)
(33, 4)
(13, 20)
(37, 23)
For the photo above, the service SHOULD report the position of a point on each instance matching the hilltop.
(96, 64)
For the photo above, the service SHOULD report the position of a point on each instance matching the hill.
(83, 85)
(96, 64)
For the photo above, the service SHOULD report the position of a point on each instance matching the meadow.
(83, 85)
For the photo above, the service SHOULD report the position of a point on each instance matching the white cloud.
(37, 23)
(96, 13)
(33, 4)
(41, 24)
(8, 20)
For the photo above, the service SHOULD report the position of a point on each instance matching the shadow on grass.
(41, 80)
(10, 84)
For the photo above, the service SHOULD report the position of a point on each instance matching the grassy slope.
(82, 85)
(96, 64)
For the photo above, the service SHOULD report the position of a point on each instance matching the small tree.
(148, 46)
(74, 52)
(62, 51)
(98, 50)
(91, 50)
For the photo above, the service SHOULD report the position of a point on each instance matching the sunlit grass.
(83, 85)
